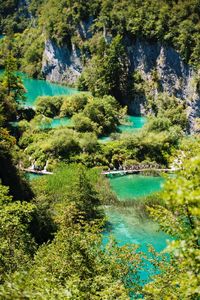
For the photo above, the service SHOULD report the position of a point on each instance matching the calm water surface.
(133, 125)
(135, 186)
(36, 88)
(57, 122)
(127, 226)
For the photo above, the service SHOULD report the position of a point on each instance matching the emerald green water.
(32, 176)
(135, 186)
(60, 122)
(104, 139)
(127, 225)
(133, 124)
(36, 88)
(57, 122)
(129, 228)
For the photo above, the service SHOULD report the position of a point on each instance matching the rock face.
(174, 76)
(61, 64)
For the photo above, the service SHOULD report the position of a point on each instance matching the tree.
(74, 265)
(9, 174)
(180, 217)
(11, 87)
(108, 74)
(16, 243)
(11, 82)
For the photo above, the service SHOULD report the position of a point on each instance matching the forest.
(60, 215)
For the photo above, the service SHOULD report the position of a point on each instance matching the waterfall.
(45, 167)
(32, 167)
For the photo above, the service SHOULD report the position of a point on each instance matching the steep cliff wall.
(63, 64)
(173, 75)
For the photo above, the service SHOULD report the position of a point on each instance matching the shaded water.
(133, 125)
(32, 176)
(57, 122)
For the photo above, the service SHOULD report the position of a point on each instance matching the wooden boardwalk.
(111, 172)
(43, 172)
(134, 171)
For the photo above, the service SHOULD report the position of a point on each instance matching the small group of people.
(135, 167)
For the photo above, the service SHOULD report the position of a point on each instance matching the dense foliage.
(101, 30)
(11, 89)
(174, 22)
(13, 16)
(51, 230)
(90, 114)
(107, 74)
(180, 279)
(93, 117)
(73, 264)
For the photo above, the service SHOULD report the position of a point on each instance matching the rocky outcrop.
(173, 75)
(61, 64)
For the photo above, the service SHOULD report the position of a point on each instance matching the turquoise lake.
(133, 124)
(126, 225)
(36, 88)
(58, 122)
(135, 186)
